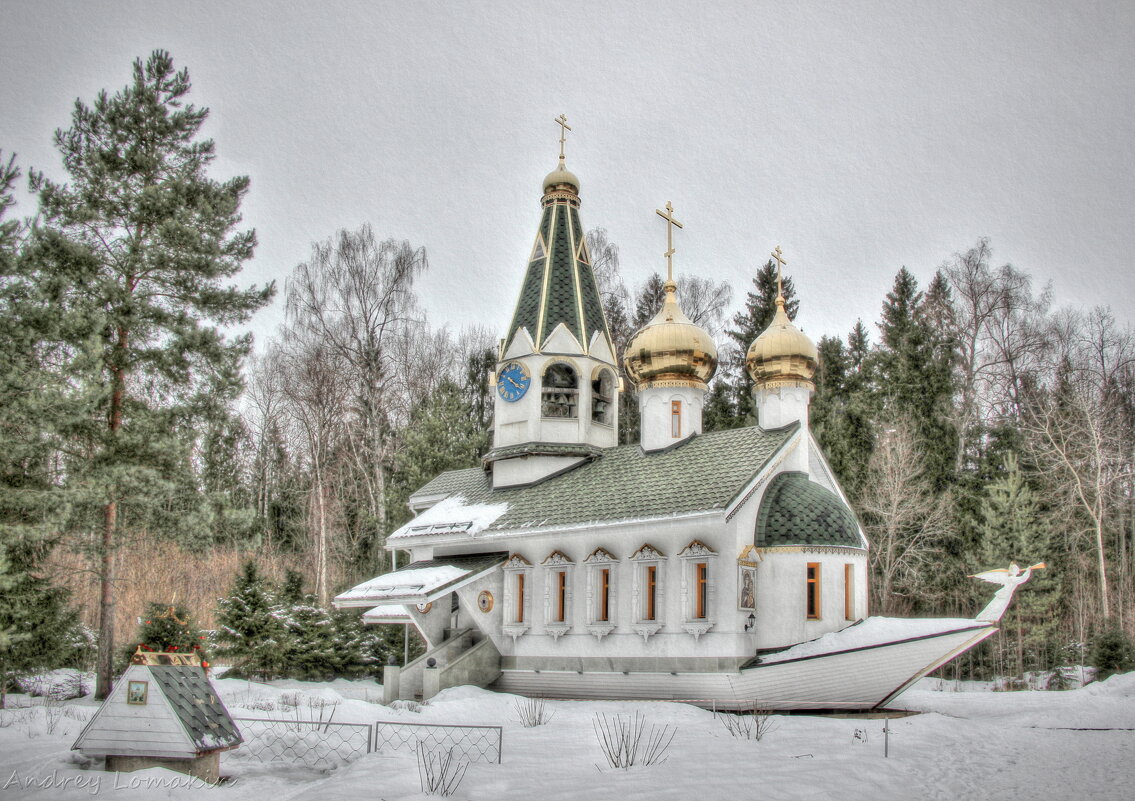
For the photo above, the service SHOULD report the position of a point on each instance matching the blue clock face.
(513, 381)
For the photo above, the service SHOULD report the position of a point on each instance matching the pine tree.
(37, 625)
(760, 306)
(249, 634)
(139, 246)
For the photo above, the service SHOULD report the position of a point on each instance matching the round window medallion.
(485, 601)
(425, 608)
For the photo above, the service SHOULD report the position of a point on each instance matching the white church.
(723, 567)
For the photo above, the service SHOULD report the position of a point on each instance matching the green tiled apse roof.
(797, 511)
(703, 474)
(570, 288)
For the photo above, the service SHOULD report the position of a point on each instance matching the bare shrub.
(621, 737)
(438, 772)
(532, 712)
(403, 705)
(750, 727)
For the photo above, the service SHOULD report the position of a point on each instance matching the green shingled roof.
(570, 284)
(703, 474)
(197, 706)
(798, 511)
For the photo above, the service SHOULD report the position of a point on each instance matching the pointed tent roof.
(559, 285)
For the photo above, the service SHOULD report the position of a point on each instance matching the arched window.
(603, 398)
(560, 396)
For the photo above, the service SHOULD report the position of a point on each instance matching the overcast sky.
(859, 136)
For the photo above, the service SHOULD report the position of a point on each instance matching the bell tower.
(555, 384)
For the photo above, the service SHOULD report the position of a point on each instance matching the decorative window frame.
(692, 555)
(556, 563)
(596, 561)
(515, 567)
(645, 557)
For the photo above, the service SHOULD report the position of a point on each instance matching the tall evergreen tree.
(443, 434)
(915, 373)
(1012, 529)
(143, 242)
(748, 324)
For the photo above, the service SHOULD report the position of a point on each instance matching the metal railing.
(470, 743)
(317, 744)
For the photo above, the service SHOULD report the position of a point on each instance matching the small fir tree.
(1112, 652)
(170, 628)
(249, 634)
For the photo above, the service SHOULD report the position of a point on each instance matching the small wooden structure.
(163, 712)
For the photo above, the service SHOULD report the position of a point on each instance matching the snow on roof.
(386, 614)
(421, 582)
(452, 515)
(873, 631)
(402, 583)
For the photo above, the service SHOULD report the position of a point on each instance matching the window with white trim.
(648, 590)
(699, 588)
(517, 595)
(557, 593)
(602, 569)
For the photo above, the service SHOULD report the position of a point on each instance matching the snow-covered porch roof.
(421, 582)
(389, 613)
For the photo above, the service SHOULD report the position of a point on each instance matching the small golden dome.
(560, 176)
(670, 350)
(782, 352)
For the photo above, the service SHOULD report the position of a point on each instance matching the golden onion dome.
(670, 350)
(782, 353)
(561, 176)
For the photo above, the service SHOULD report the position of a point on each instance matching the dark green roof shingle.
(197, 706)
(703, 474)
(798, 511)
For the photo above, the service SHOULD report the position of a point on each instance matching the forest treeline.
(146, 451)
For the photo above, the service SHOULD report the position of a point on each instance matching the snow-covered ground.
(970, 745)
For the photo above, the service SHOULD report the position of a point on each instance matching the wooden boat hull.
(860, 678)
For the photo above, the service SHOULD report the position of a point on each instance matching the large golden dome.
(670, 350)
(782, 353)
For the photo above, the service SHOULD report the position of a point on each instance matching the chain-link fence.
(314, 743)
(470, 743)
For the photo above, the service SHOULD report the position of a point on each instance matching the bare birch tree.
(903, 517)
(355, 295)
(1075, 422)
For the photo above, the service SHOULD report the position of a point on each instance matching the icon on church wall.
(747, 581)
(485, 601)
(136, 692)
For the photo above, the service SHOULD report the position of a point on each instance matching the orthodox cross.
(780, 262)
(564, 128)
(670, 223)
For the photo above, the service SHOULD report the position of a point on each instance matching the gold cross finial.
(564, 128)
(670, 223)
(780, 262)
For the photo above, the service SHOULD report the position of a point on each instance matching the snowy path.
(977, 746)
